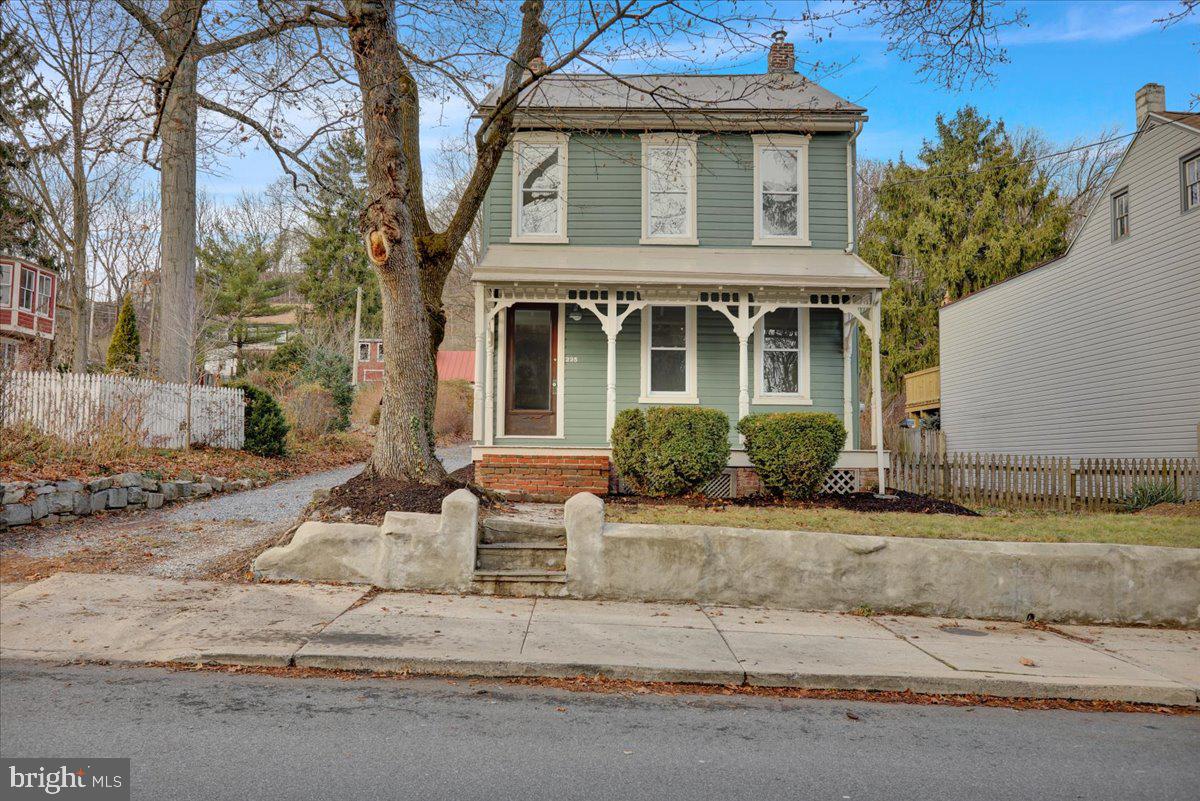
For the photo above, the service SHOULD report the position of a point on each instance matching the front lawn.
(1122, 529)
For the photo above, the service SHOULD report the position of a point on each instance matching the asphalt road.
(218, 736)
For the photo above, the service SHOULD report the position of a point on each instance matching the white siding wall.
(1097, 354)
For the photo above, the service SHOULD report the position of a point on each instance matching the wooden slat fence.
(80, 407)
(1053, 483)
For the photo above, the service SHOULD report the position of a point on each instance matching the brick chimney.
(1151, 98)
(782, 55)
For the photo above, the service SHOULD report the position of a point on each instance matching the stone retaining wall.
(1076, 582)
(57, 501)
(543, 477)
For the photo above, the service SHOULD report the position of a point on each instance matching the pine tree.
(18, 227)
(335, 261)
(125, 347)
(973, 212)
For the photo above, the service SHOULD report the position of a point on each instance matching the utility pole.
(357, 331)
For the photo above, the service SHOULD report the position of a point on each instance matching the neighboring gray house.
(1096, 354)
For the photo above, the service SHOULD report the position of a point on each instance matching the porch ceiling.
(665, 264)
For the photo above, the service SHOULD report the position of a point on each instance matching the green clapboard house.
(668, 239)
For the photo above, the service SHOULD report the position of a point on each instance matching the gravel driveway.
(187, 540)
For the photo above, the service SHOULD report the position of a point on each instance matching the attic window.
(539, 187)
(1120, 215)
(1191, 182)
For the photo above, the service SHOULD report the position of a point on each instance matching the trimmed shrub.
(686, 447)
(629, 447)
(1145, 494)
(793, 452)
(266, 429)
(311, 411)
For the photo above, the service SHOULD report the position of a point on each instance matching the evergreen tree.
(335, 261)
(973, 212)
(18, 227)
(236, 286)
(125, 347)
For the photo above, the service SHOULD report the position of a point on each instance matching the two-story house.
(669, 239)
(1097, 353)
(28, 294)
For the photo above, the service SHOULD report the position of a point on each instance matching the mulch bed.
(853, 501)
(365, 499)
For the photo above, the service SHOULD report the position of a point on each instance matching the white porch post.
(611, 328)
(489, 381)
(480, 357)
(849, 327)
(742, 329)
(877, 389)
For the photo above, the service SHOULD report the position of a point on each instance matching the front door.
(531, 378)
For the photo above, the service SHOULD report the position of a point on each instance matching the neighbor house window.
(9, 353)
(1120, 215)
(28, 289)
(1191, 182)
(668, 189)
(364, 351)
(782, 351)
(539, 187)
(781, 190)
(44, 294)
(6, 272)
(669, 354)
(379, 351)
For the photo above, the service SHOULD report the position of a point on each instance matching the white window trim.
(560, 394)
(6, 284)
(783, 141)
(539, 138)
(1113, 216)
(688, 396)
(804, 396)
(21, 294)
(659, 139)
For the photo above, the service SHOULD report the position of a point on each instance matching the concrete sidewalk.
(138, 619)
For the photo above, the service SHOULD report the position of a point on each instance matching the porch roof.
(667, 264)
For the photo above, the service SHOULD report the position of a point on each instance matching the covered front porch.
(557, 360)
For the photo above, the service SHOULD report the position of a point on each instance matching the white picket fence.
(78, 407)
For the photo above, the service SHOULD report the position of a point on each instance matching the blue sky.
(1073, 72)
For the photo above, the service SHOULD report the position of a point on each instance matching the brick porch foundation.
(543, 477)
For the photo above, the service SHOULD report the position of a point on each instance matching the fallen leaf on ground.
(853, 716)
(1027, 662)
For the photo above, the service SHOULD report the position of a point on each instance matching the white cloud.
(1094, 22)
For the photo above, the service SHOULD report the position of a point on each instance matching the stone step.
(521, 555)
(520, 583)
(515, 529)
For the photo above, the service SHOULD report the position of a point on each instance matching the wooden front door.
(531, 376)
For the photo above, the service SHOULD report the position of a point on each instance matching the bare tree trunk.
(177, 271)
(81, 212)
(404, 447)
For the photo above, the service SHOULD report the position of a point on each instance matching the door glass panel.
(532, 329)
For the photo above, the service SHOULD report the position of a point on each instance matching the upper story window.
(783, 359)
(28, 289)
(539, 187)
(379, 351)
(781, 190)
(1120, 215)
(44, 294)
(669, 189)
(364, 351)
(6, 271)
(1190, 170)
(668, 354)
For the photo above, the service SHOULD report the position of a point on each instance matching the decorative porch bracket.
(871, 317)
(487, 333)
(611, 322)
(743, 323)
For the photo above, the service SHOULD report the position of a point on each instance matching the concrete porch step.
(526, 583)
(494, 530)
(500, 556)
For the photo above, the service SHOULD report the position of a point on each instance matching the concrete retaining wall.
(410, 551)
(1124, 584)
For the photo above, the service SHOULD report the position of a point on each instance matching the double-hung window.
(6, 271)
(1190, 173)
(1120, 215)
(782, 355)
(669, 354)
(781, 190)
(669, 189)
(28, 289)
(44, 294)
(539, 187)
(364, 351)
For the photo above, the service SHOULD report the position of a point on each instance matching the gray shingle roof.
(770, 92)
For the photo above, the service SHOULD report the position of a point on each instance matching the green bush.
(1145, 494)
(793, 452)
(629, 448)
(670, 450)
(265, 428)
(331, 370)
(289, 357)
